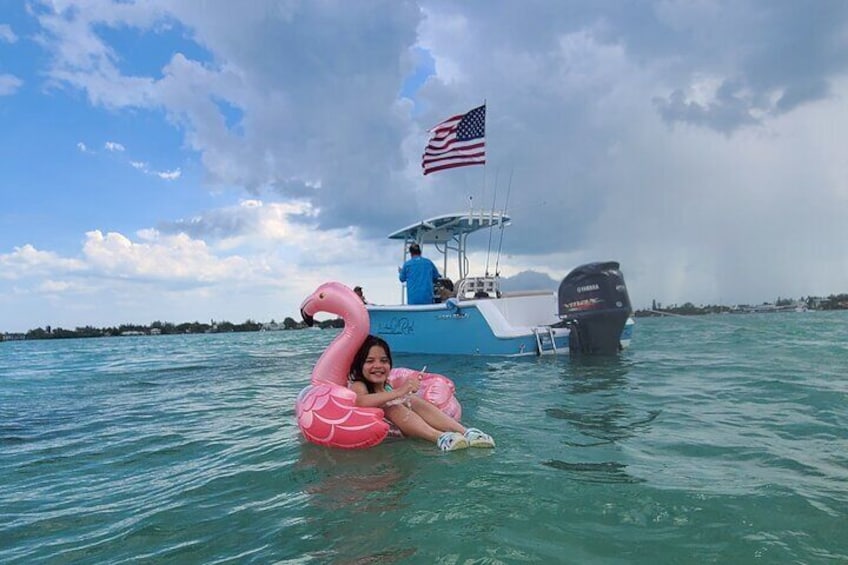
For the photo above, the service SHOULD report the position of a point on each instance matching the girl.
(413, 416)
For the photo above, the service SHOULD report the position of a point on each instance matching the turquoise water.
(719, 439)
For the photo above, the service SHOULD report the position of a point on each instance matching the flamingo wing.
(439, 390)
(435, 388)
(327, 415)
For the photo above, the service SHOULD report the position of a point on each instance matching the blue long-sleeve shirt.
(419, 274)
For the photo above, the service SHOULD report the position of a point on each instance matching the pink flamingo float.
(326, 409)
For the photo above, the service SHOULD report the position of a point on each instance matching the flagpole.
(485, 167)
(483, 188)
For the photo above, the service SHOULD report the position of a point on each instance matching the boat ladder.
(545, 343)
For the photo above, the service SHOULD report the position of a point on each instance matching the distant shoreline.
(832, 302)
(165, 328)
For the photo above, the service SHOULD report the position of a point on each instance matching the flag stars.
(473, 125)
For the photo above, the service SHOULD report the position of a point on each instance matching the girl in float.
(411, 414)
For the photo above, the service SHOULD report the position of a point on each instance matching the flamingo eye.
(321, 296)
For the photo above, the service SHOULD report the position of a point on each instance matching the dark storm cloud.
(319, 102)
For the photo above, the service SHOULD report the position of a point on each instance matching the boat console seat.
(478, 287)
(442, 290)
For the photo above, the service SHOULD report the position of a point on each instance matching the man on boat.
(419, 274)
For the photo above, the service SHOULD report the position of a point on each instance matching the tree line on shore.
(832, 302)
(167, 328)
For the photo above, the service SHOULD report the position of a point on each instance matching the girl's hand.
(410, 386)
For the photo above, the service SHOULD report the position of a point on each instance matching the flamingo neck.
(334, 364)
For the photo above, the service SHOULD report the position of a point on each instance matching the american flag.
(457, 142)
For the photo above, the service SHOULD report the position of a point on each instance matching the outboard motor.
(594, 304)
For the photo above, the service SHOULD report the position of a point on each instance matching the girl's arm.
(375, 399)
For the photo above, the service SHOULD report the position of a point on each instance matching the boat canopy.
(449, 232)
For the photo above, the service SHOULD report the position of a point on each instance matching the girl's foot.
(476, 438)
(451, 441)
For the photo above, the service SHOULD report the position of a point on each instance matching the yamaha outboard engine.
(594, 304)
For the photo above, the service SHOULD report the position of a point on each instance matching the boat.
(590, 313)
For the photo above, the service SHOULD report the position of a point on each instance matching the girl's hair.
(362, 354)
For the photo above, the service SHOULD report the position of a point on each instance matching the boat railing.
(478, 287)
(517, 293)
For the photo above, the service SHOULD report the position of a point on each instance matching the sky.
(185, 160)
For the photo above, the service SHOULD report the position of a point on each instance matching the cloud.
(262, 269)
(169, 175)
(174, 258)
(330, 147)
(287, 230)
(6, 34)
(784, 56)
(250, 241)
(115, 147)
(164, 175)
(726, 110)
(27, 261)
(9, 84)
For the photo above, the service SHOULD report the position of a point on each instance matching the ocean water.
(720, 439)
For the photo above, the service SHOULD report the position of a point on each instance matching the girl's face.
(376, 367)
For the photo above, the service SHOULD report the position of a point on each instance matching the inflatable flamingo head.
(335, 298)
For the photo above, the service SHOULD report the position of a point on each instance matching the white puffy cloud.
(6, 34)
(261, 270)
(169, 175)
(27, 261)
(9, 84)
(176, 257)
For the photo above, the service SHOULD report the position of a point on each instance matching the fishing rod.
(501, 224)
(491, 218)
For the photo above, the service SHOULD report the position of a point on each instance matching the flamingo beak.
(307, 319)
(306, 311)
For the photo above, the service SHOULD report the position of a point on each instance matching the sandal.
(451, 441)
(476, 438)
